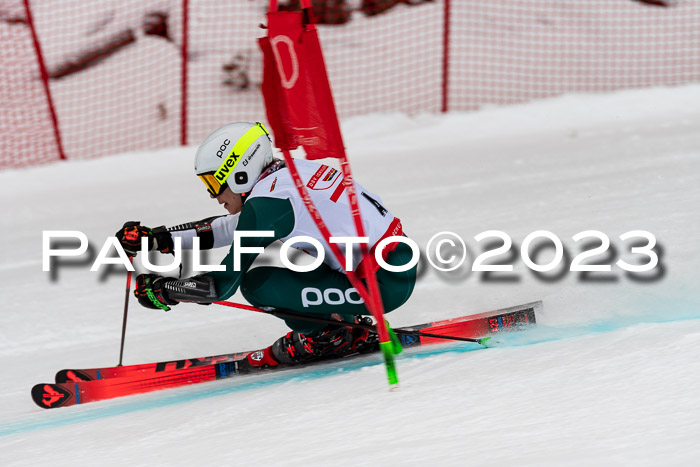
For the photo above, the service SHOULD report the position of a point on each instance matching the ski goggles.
(216, 181)
(214, 187)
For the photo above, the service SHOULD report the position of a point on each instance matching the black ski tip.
(72, 376)
(62, 376)
(50, 396)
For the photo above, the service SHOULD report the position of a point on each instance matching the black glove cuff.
(162, 240)
(164, 295)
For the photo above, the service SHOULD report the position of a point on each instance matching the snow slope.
(610, 376)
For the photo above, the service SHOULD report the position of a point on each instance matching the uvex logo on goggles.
(229, 164)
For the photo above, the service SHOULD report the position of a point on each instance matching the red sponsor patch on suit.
(338, 191)
(324, 178)
(317, 176)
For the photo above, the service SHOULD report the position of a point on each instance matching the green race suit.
(321, 292)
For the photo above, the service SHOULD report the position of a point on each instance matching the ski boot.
(332, 342)
(296, 347)
(364, 340)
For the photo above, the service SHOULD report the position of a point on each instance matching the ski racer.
(237, 166)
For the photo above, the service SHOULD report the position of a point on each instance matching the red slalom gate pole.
(291, 125)
(126, 311)
(371, 296)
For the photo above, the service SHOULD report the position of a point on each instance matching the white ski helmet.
(234, 156)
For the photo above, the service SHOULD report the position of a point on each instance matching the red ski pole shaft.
(126, 311)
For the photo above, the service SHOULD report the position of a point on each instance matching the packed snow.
(609, 377)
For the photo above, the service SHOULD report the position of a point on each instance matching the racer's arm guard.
(197, 289)
(213, 232)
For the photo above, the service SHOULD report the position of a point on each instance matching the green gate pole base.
(387, 349)
(395, 342)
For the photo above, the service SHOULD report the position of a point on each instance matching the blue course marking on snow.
(542, 334)
(98, 410)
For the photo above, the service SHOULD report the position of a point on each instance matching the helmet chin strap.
(244, 196)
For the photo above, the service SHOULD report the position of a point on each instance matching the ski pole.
(126, 311)
(285, 314)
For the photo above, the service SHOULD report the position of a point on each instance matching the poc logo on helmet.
(220, 152)
(311, 296)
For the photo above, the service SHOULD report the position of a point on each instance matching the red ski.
(155, 376)
(483, 324)
(49, 396)
(128, 371)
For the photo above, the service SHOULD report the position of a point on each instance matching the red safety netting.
(503, 52)
(117, 71)
(113, 72)
(225, 66)
(26, 129)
